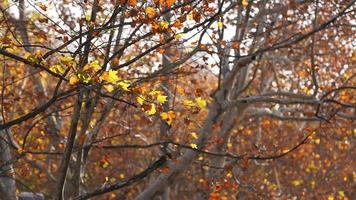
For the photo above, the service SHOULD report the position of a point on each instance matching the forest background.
(177, 99)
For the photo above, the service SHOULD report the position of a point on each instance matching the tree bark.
(63, 168)
(7, 181)
(166, 179)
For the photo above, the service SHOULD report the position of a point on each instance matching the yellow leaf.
(194, 135)
(20, 150)
(26, 55)
(297, 182)
(317, 141)
(151, 12)
(201, 102)
(86, 67)
(178, 36)
(312, 183)
(220, 24)
(110, 76)
(152, 111)
(5, 3)
(187, 102)
(35, 16)
(190, 16)
(66, 59)
(73, 80)
(140, 99)
(105, 164)
(194, 146)
(113, 76)
(60, 69)
(180, 90)
(40, 141)
(84, 77)
(124, 85)
(163, 24)
(161, 98)
(32, 58)
(330, 197)
(109, 88)
(244, 3)
(57, 69)
(341, 193)
(229, 175)
(87, 17)
(92, 66)
(153, 92)
(53, 68)
(168, 117)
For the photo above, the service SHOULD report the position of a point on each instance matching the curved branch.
(136, 178)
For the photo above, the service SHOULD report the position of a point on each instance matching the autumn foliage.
(178, 99)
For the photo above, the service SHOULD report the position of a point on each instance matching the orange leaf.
(214, 196)
(43, 7)
(82, 139)
(151, 12)
(132, 2)
(196, 16)
(73, 80)
(235, 45)
(115, 62)
(161, 50)
(177, 24)
(169, 3)
(165, 170)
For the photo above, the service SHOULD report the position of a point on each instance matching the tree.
(165, 98)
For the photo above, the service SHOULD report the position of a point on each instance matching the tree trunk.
(7, 181)
(166, 179)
